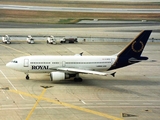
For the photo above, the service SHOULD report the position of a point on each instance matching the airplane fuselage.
(47, 64)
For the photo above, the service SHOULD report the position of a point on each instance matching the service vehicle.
(69, 40)
(30, 39)
(51, 40)
(6, 39)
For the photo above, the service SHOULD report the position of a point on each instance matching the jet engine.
(57, 76)
(60, 76)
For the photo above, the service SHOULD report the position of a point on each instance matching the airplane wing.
(76, 70)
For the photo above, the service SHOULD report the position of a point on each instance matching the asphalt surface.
(86, 32)
(132, 94)
(81, 24)
(78, 9)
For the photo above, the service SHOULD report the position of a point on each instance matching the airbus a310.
(65, 67)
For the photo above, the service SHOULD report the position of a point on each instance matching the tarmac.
(78, 9)
(133, 94)
(85, 29)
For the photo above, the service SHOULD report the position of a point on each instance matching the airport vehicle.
(64, 67)
(51, 40)
(30, 39)
(6, 39)
(68, 40)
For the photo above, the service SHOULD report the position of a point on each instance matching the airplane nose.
(8, 65)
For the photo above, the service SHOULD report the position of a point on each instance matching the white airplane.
(64, 67)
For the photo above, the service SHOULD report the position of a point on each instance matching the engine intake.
(60, 76)
(57, 76)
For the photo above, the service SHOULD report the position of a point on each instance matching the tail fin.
(132, 53)
(135, 48)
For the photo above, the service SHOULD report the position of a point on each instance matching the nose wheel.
(27, 77)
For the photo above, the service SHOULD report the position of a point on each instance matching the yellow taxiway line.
(65, 104)
(15, 49)
(35, 105)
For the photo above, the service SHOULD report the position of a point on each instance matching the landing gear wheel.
(78, 79)
(27, 77)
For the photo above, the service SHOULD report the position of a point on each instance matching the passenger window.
(14, 61)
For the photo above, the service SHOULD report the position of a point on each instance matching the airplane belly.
(40, 71)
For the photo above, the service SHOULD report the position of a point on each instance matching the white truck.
(68, 40)
(51, 40)
(6, 39)
(30, 40)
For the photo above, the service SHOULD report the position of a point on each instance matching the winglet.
(113, 74)
(80, 54)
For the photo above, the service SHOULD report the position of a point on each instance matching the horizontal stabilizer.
(113, 74)
(138, 60)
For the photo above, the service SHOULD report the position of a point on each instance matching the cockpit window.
(14, 61)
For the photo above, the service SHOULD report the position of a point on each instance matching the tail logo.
(137, 46)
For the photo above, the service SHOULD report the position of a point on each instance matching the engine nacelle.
(57, 76)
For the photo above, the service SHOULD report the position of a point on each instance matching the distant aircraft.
(64, 67)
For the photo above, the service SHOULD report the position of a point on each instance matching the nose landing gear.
(27, 77)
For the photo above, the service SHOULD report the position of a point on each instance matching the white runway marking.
(4, 93)
(82, 101)
(11, 83)
(124, 103)
(147, 103)
(10, 107)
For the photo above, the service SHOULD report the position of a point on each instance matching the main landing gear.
(27, 77)
(77, 78)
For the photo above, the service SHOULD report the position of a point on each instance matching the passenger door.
(26, 62)
(63, 63)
